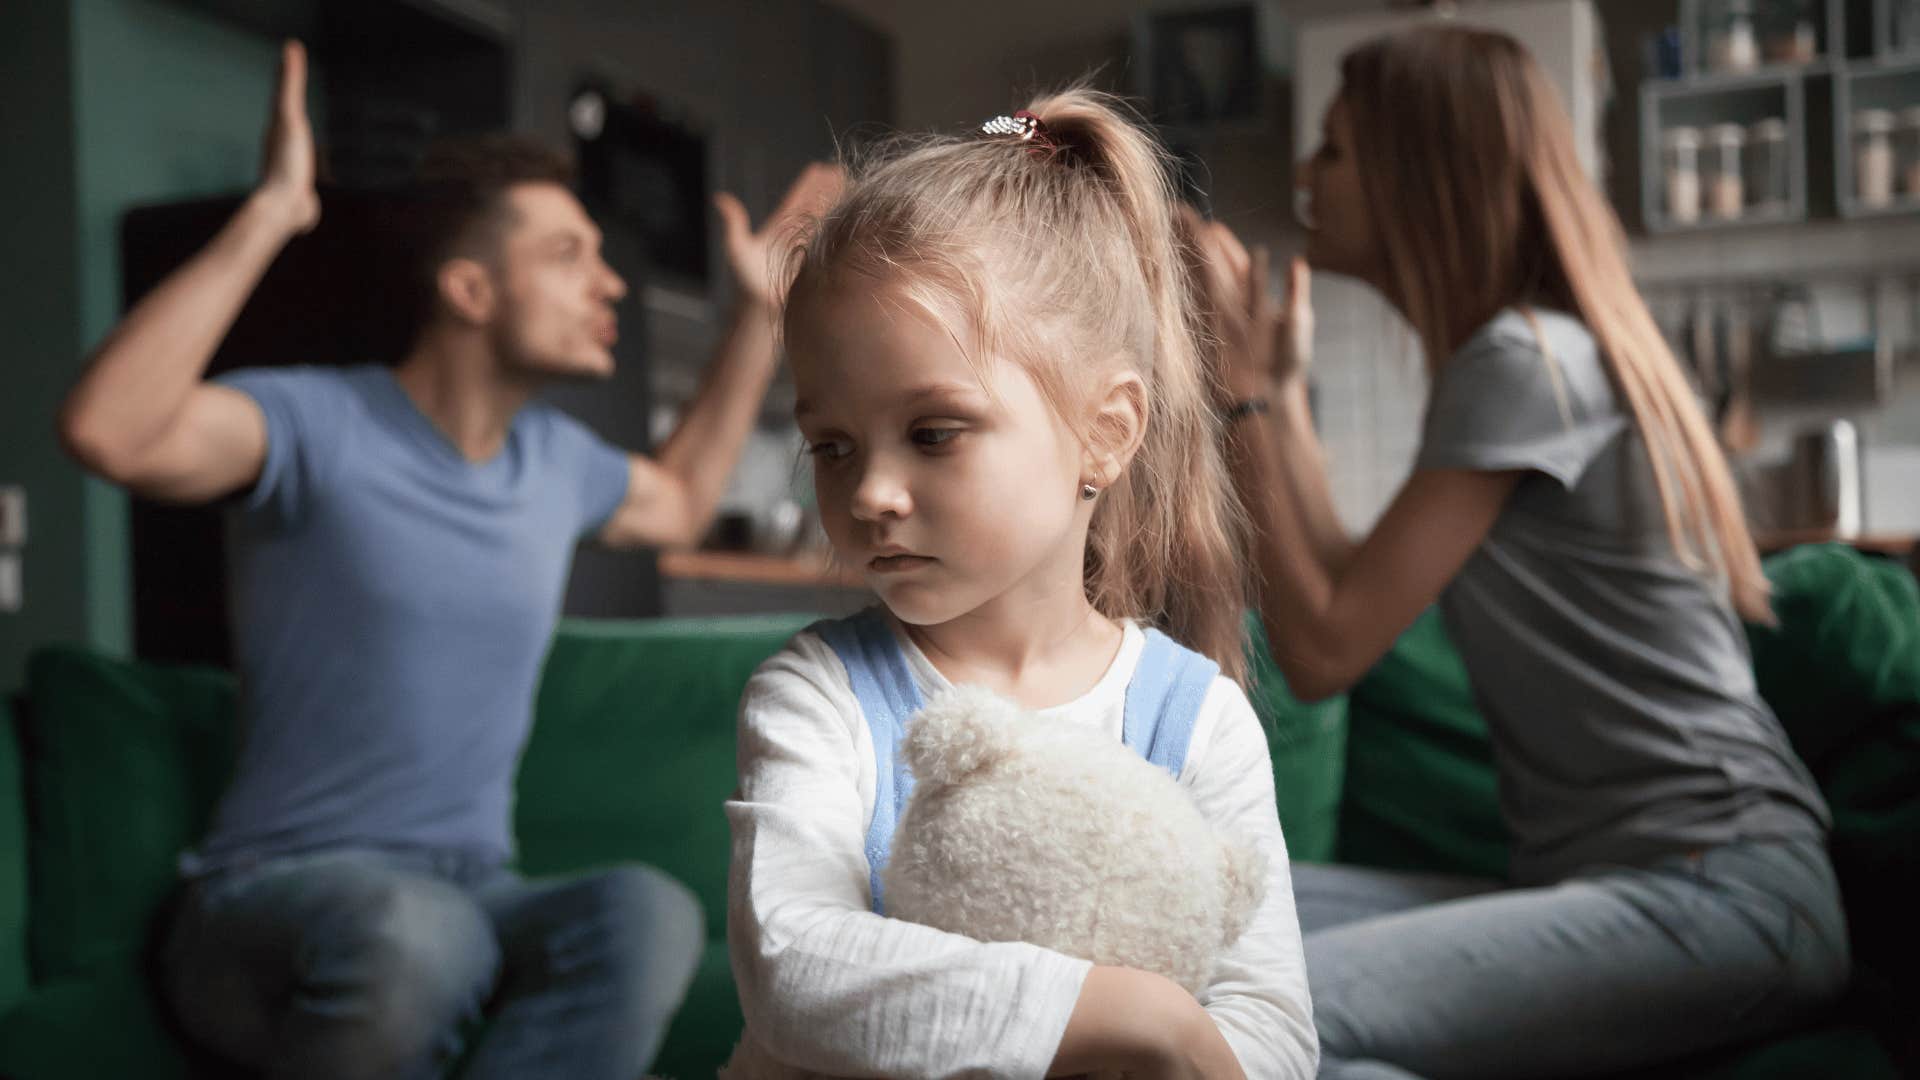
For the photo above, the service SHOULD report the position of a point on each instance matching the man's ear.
(467, 289)
(1117, 428)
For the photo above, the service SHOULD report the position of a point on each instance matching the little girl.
(1013, 440)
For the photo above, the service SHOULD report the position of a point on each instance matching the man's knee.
(409, 960)
(654, 932)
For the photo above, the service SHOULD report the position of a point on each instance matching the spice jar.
(1873, 157)
(1682, 153)
(1908, 151)
(1787, 32)
(1726, 189)
(1732, 45)
(1767, 167)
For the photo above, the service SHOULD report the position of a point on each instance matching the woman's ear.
(466, 288)
(1119, 425)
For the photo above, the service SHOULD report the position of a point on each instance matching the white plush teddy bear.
(1024, 830)
(1021, 829)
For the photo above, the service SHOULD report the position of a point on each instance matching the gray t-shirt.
(1616, 681)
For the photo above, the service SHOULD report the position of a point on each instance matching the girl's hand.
(1259, 343)
(1141, 1026)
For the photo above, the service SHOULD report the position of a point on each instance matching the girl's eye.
(829, 449)
(934, 436)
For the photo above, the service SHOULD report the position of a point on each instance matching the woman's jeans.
(1426, 976)
(367, 963)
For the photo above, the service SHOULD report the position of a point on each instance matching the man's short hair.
(460, 192)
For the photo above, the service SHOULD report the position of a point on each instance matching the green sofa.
(112, 767)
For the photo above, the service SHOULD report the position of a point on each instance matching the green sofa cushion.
(104, 1024)
(632, 755)
(123, 763)
(13, 867)
(1420, 790)
(1308, 744)
(708, 1024)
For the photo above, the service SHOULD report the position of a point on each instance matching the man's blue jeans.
(366, 963)
(1427, 976)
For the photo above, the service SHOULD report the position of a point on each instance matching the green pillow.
(1847, 645)
(124, 762)
(106, 1024)
(1842, 670)
(1309, 748)
(632, 753)
(1420, 789)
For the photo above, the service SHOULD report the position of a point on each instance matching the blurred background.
(1763, 154)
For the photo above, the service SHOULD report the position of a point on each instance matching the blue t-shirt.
(392, 603)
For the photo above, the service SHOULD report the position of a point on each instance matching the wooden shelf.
(1898, 545)
(804, 571)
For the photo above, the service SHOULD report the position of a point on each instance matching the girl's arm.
(826, 984)
(1258, 997)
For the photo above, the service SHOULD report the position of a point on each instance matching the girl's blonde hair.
(1061, 254)
(1467, 162)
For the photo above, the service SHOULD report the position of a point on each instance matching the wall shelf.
(1858, 64)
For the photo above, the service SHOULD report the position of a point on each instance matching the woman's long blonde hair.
(1060, 254)
(1468, 166)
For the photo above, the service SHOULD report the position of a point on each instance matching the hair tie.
(1022, 125)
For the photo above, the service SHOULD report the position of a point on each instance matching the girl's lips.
(893, 564)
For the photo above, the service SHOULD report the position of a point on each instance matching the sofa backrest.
(632, 754)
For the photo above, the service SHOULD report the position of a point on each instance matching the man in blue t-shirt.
(401, 540)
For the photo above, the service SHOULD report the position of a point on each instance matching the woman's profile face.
(1340, 232)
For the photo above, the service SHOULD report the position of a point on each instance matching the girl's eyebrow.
(945, 392)
(933, 393)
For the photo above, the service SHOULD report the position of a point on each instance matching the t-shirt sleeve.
(1502, 404)
(601, 469)
(305, 415)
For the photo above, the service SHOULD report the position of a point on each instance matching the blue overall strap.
(1163, 701)
(883, 685)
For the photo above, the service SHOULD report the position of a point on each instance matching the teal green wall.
(39, 306)
(147, 101)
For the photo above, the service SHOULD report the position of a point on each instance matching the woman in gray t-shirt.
(1574, 518)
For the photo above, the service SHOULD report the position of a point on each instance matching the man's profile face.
(556, 305)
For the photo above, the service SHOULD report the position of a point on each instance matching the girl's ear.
(1119, 425)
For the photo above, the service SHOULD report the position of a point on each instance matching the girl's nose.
(880, 493)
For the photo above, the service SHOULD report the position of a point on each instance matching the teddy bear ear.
(1244, 870)
(959, 733)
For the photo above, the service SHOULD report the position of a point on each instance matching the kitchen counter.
(746, 567)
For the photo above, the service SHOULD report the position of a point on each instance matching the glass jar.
(1722, 177)
(1681, 153)
(1732, 43)
(1768, 187)
(1907, 151)
(1873, 158)
(1788, 34)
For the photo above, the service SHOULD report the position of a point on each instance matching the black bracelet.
(1248, 407)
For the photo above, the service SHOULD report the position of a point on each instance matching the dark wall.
(773, 86)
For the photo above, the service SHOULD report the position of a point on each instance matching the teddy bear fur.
(1022, 829)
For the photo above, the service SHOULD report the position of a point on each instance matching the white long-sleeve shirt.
(832, 988)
